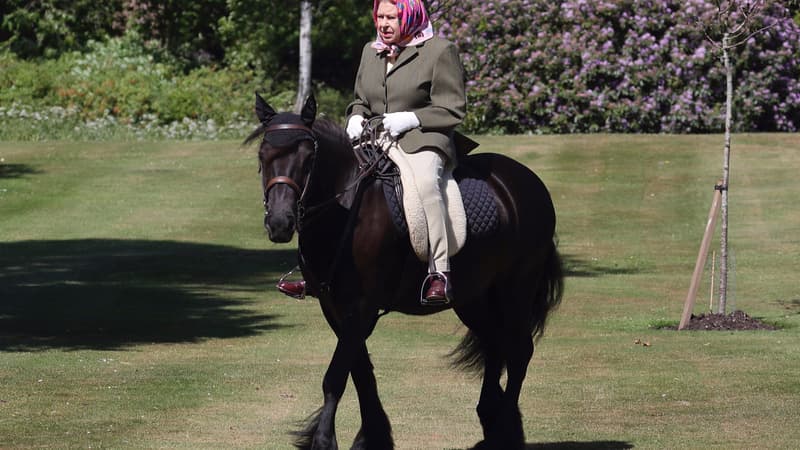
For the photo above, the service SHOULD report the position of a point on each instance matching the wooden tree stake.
(711, 289)
(711, 224)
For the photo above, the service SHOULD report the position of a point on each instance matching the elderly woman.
(415, 80)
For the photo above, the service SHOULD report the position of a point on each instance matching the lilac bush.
(643, 66)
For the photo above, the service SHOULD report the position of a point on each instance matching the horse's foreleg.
(376, 432)
(320, 433)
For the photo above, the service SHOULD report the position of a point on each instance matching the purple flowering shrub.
(643, 66)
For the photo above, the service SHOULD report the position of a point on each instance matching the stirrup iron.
(426, 282)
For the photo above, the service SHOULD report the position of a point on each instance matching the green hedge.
(132, 88)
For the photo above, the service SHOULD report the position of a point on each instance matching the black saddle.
(480, 204)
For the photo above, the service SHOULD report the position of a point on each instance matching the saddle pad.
(480, 207)
(417, 227)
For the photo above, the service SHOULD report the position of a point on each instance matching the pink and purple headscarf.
(415, 27)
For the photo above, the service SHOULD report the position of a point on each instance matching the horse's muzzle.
(280, 227)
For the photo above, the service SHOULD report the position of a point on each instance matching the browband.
(288, 126)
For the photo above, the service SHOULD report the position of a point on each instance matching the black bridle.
(368, 164)
(285, 180)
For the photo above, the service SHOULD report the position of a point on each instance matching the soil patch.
(737, 320)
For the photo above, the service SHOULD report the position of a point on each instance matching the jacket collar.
(408, 54)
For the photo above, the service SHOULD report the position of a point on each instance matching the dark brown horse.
(359, 265)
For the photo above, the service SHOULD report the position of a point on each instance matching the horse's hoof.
(482, 445)
(326, 446)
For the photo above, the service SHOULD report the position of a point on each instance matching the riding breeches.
(428, 167)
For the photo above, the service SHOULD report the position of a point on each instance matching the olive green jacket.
(427, 79)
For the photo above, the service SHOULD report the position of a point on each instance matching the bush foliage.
(621, 66)
(169, 69)
(135, 90)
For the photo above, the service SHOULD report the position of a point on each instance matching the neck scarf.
(415, 27)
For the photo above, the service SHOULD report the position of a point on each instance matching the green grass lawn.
(137, 307)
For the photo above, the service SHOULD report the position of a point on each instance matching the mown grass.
(137, 308)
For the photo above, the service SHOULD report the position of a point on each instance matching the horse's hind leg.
(498, 408)
(491, 399)
(520, 318)
(375, 432)
(519, 353)
(481, 348)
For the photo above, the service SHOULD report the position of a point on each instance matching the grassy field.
(137, 307)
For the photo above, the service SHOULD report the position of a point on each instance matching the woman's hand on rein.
(399, 122)
(355, 126)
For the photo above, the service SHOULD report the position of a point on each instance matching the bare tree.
(732, 25)
(304, 77)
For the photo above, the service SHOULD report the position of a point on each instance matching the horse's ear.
(309, 110)
(264, 112)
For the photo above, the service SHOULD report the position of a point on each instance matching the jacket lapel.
(408, 54)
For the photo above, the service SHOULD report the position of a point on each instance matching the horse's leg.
(519, 354)
(375, 432)
(333, 386)
(491, 399)
(512, 346)
(320, 433)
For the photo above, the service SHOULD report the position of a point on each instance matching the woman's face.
(388, 22)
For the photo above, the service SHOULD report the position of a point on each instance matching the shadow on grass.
(111, 294)
(571, 445)
(17, 170)
(792, 305)
(574, 445)
(575, 266)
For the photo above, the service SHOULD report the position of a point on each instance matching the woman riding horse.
(415, 80)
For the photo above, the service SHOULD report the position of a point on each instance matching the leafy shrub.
(29, 80)
(47, 28)
(622, 66)
(124, 88)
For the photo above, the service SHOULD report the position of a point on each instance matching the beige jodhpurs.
(428, 167)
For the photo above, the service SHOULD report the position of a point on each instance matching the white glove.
(355, 126)
(399, 122)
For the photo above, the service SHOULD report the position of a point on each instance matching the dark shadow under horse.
(358, 264)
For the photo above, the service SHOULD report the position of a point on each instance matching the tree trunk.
(726, 164)
(304, 80)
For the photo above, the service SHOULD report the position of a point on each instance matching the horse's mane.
(328, 133)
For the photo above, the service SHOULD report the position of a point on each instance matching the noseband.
(285, 180)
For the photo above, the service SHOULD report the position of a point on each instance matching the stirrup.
(447, 294)
(283, 278)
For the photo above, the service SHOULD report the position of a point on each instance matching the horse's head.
(286, 158)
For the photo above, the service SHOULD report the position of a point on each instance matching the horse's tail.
(549, 291)
(471, 352)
